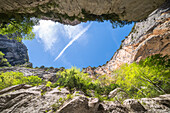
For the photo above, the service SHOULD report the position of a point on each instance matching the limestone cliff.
(15, 52)
(147, 38)
(75, 11)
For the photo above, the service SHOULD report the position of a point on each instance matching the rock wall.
(24, 99)
(129, 10)
(148, 37)
(15, 52)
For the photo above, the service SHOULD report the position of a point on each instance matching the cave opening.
(86, 44)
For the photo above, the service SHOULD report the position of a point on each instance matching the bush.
(149, 78)
(42, 67)
(74, 79)
(8, 79)
(3, 61)
(17, 27)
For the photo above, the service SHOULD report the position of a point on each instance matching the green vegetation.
(3, 61)
(8, 79)
(149, 78)
(48, 84)
(73, 79)
(61, 101)
(18, 28)
(87, 16)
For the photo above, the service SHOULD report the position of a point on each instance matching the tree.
(149, 78)
(19, 29)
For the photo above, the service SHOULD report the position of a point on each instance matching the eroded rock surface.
(130, 10)
(148, 37)
(23, 98)
(15, 52)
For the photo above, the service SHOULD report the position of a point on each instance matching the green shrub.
(42, 67)
(8, 79)
(33, 80)
(48, 84)
(17, 27)
(149, 78)
(74, 79)
(3, 61)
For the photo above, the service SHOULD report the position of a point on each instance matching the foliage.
(18, 28)
(61, 101)
(42, 67)
(74, 79)
(8, 79)
(48, 84)
(33, 80)
(87, 16)
(3, 61)
(149, 78)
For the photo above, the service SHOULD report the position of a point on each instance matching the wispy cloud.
(52, 33)
(73, 40)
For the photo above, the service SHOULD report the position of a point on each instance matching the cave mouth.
(86, 44)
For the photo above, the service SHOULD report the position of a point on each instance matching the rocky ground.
(41, 99)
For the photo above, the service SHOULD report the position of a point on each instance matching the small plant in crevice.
(3, 61)
(60, 102)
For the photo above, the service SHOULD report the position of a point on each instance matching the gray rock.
(27, 64)
(159, 104)
(134, 106)
(118, 95)
(142, 40)
(77, 105)
(93, 102)
(40, 99)
(15, 52)
(131, 10)
(16, 87)
(115, 92)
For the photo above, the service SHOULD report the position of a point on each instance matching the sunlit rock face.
(148, 37)
(62, 10)
(15, 52)
(40, 99)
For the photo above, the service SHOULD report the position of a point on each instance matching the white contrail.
(71, 42)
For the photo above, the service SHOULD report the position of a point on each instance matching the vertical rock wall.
(148, 37)
(15, 52)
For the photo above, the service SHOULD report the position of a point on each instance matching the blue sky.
(83, 45)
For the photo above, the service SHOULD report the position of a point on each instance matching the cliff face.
(68, 11)
(15, 52)
(148, 37)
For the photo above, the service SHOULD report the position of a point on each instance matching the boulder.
(40, 99)
(118, 94)
(134, 105)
